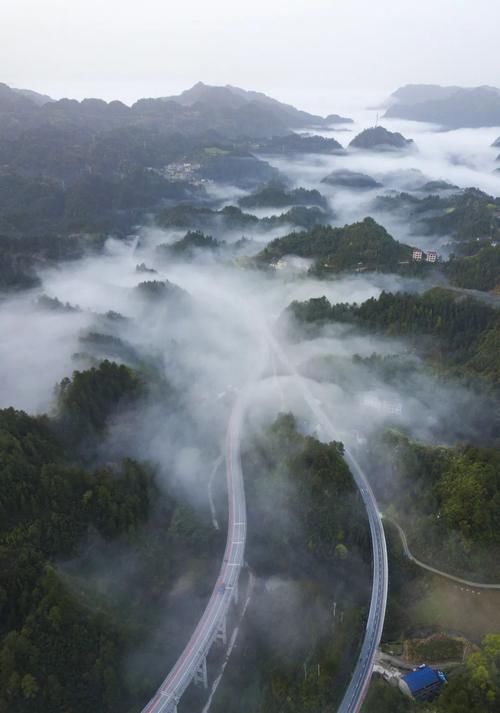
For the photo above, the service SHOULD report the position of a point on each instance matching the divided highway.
(193, 658)
(213, 619)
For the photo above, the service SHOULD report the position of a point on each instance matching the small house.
(423, 683)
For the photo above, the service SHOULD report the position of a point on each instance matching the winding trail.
(434, 570)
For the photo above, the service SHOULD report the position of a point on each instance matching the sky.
(315, 53)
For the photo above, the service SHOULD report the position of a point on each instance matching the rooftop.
(423, 677)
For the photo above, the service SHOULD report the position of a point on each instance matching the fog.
(216, 343)
(208, 343)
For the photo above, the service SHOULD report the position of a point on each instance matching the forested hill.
(66, 630)
(453, 107)
(308, 545)
(466, 215)
(462, 334)
(361, 246)
(447, 500)
(480, 271)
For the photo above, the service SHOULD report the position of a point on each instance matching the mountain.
(229, 98)
(231, 111)
(13, 102)
(417, 93)
(291, 144)
(451, 107)
(379, 139)
(35, 97)
(350, 179)
(361, 246)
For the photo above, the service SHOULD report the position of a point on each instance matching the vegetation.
(377, 138)
(299, 144)
(87, 555)
(478, 272)
(476, 687)
(233, 218)
(360, 246)
(350, 179)
(448, 501)
(314, 488)
(307, 531)
(92, 204)
(86, 401)
(187, 246)
(21, 256)
(276, 195)
(384, 698)
(435, 649)
(56, 655)
(454, 332)
(467, 215)
(159, 290)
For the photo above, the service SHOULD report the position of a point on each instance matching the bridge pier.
(222, 632)
(235, 592)
(200, 676)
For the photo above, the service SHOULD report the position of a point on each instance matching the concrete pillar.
(235, 592)
(222, 632)
(200, 676)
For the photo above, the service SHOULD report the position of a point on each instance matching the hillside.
(466, 215)
(377, 138)
(452, 107)
(344, 178)
(360, 246)
(458, 334)
(275, 195)
(299, 144)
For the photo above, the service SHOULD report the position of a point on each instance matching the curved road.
(360, 680)
(407, 551)
(169, 693)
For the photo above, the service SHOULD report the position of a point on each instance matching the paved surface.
(360, 680)
(181, 675)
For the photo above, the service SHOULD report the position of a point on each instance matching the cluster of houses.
(187, 172)
(418, 255)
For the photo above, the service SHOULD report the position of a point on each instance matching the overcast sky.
(312, 52)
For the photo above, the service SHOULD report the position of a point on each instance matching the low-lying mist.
(195, 325)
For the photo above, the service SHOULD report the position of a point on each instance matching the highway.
(169, 693)
(360, 680)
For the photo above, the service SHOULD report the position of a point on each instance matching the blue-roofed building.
(423, 683)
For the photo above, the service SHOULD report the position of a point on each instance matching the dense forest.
(308, 543)
(276, 195)
(233, 218)
(480, 271)
(456, 333)
(69, 629)
(360, 246)
(471, 214)
(447, 499)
